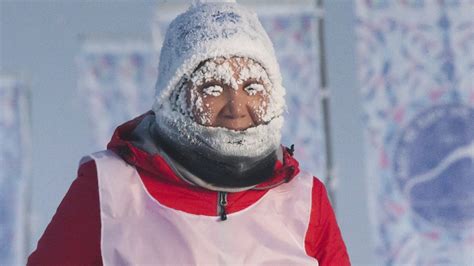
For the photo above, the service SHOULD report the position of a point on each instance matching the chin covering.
(221, 157)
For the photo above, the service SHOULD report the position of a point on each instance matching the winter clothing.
(171, 191)
(73, 237)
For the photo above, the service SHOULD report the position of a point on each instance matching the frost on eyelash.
(254, 88)
(215, 90)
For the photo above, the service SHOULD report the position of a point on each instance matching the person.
(202, 179)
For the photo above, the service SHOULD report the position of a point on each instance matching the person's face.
(230, 93)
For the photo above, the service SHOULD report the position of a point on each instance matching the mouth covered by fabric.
(221, 157)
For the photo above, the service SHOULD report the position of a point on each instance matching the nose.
(235, 107)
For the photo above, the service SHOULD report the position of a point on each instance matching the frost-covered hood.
(213, 30)
(145, 154)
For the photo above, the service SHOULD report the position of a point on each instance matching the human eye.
(254, 88)
(214, 90)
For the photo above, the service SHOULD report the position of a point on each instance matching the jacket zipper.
(221, 204)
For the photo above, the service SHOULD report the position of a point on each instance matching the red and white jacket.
(292, 222)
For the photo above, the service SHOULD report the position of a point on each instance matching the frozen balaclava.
(194, 43)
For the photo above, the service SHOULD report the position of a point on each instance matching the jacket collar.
(124, 143)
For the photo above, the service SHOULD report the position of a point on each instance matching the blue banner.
(416, 73)
(294, 37)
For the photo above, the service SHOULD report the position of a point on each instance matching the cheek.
(206, 109)
(197, 106)
(258, 107)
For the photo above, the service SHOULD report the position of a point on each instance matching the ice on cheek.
(203, 113)
(261, 109)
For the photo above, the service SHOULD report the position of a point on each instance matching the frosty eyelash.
(254, 88)
(214, 90)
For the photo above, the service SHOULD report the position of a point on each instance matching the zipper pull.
(222, 204)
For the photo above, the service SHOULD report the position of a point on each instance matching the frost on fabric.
(252, 142)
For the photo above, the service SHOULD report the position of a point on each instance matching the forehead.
(229, 70)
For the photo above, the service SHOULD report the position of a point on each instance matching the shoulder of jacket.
(318, 183)
(309, 178)
(88, 163)
(104, 154)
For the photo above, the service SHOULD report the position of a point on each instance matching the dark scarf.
(216, 169)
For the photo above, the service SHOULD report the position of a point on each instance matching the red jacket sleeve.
(323, 238)
(73, 235)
